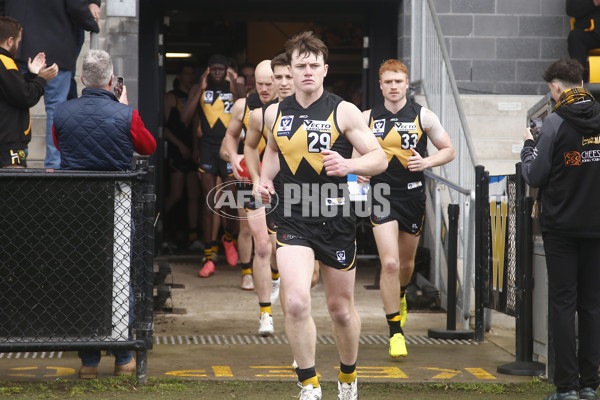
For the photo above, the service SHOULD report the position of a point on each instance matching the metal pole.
(480, 254)
(438, 238)
(453, 211)
(451, 332)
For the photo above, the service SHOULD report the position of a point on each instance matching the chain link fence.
(76, 260)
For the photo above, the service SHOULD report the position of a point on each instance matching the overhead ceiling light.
(179, 55)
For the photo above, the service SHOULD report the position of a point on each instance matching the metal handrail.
(432, 70)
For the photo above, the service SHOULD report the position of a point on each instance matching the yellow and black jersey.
(301, 134)
(397, 134)
(253, 103)
(265, 133)
(215, 107)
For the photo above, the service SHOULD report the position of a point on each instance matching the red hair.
(394, 66)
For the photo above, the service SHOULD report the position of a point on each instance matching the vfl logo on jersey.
(285, 125)
(405, 126)
(379, 127)
(319, 126)
(572, 158)
(209, 96)
(340, 255)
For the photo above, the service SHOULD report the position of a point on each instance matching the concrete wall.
(503, 46)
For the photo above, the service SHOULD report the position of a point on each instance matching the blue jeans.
(91, 358)
(55, 93)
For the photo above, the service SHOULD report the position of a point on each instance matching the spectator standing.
(18, 93)
(562, 162)
(97, 132)
(51, 27)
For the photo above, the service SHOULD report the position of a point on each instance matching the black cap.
(218, 59)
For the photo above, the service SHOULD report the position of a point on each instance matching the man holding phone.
(97, 132)
(98, 104)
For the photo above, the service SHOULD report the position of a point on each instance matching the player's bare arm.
(439, 138)
(231, 141)
(372, 159)
(251, 145)
(270, 165)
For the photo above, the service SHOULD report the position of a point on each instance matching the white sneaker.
(309, 392)
(348, 391)
(265, 327)
(247, 282)
(275, 289)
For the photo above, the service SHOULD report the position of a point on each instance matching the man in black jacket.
(564, 162)
(52, 27)
(585, 34)
(17, 94)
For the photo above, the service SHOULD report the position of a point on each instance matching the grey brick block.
(553, 49)
(522, 49)
(461, 69)
(496, 25)
(473, 48)
(531, 71)
(553, 7)
(539, 26)
(493, 71)
(475, 87)
(123, 45)
(518, 7)
(442, 6)
(456, 25)
(473, 7)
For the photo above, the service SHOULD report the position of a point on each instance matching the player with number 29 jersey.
(301, 134)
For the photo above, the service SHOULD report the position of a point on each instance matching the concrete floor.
(212, 334)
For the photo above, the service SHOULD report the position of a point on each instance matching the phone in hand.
(118, 86)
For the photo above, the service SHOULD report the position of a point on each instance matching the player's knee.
(407, 266)
(341, 313)
(390, 265)
(263, 249)
(297, 307)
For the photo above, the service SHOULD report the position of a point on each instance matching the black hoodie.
(564, 162)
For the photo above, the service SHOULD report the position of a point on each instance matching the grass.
(180, 389)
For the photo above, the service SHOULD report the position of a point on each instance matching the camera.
(536, 125)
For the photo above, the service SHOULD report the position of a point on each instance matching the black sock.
(393, 321)
(306, 373)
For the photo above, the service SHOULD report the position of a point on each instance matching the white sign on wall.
(121, 8)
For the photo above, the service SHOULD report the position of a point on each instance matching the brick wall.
(503, 46)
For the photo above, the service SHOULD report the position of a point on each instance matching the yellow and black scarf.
(573, 95)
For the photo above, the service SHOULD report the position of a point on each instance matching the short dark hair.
(280, 60)
(306, 43)
(9, 27)
(565, 70)
(181, 67)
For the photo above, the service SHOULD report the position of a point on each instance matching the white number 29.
(318, 141)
